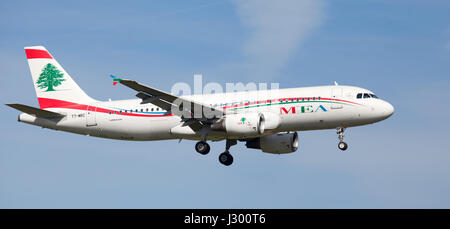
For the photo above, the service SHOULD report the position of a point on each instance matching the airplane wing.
(35, 111)
(166, 100)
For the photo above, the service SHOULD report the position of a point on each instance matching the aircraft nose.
(387, 109)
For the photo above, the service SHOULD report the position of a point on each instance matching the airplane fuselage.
(299, 109)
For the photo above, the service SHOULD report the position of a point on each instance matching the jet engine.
(241, 125)
(276, 143)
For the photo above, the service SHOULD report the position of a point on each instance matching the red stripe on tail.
(37, 53)
(55, 103)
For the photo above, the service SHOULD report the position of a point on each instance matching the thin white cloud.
(277, 28)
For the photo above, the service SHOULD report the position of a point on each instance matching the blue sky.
(398, 49)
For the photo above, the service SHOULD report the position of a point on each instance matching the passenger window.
(152, 109)
(359, 95)
(366, 96)
(157, 109)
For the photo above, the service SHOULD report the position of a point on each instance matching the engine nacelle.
(242, 125)
(276, 143)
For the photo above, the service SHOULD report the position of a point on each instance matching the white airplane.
(263, 119)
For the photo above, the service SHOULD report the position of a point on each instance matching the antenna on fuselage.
(335, 83)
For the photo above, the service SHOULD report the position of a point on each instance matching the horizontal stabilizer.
(35, 111)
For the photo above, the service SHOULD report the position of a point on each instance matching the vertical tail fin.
(52, 83)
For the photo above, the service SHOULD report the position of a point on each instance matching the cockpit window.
(366, 96)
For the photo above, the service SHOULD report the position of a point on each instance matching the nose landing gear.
(341, 145)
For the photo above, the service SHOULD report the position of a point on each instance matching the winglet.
(115, 79)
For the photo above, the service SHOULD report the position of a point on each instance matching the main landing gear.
(202, 147)
(341, 145)
(225, 158)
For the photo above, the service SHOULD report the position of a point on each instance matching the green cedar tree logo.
(50, 78)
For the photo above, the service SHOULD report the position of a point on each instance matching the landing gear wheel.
(342, 146)
(226, 158)
(202, 147)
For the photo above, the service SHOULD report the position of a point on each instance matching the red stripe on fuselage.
(340, 100)
(273, 101)
(55, 103)
(37, 53)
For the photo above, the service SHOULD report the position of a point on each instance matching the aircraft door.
(336, 92)
(90, 116)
